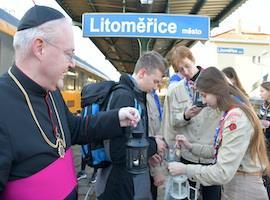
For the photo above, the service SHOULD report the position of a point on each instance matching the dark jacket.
(23, 151)
(120, 182)
(264, 113)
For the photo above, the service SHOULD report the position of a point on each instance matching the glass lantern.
(136, 153)
(179, 187)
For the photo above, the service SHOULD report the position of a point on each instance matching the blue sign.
(145, 25)
(230, 50)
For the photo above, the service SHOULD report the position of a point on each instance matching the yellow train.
(72, 99)
(74, 81)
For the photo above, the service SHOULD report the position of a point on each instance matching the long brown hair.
(213, 81)
(231, 74)
(266, 86)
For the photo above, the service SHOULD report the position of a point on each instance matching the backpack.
(96, 97)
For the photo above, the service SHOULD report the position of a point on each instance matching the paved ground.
(84, 183)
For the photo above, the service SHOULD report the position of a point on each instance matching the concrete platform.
(83, 184)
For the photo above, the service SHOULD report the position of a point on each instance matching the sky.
(251, 14)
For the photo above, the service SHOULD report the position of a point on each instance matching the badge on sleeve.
(232, 126)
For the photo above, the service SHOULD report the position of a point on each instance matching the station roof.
(123, 52)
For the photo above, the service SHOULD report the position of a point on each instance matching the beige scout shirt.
(154, 122)
(200, 129)
(232, 155)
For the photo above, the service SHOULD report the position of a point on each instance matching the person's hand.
(192, 111)
(128, 116)
(159, 179)
(161, 146)
(265, 123)
(182, 141)
(176, 168)
(155, 160)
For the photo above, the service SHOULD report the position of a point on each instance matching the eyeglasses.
(70, 55)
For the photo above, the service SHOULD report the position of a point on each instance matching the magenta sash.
(54, 182)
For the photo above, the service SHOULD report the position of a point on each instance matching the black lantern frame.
(136, 151)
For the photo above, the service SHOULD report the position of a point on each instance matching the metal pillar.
(143, 45)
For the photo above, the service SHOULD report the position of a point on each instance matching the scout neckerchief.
(218, 135)
(188, 88)
(191, 82)
(157, 102)
(60, 142)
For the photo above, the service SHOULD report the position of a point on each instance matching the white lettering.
(155, 25)
(107, 25)
(191, 31)
(102, 22)
(149, 24)
(162, 30)
(172, 28)
(128, 27)
(92, 28)
(141, 25)
(144, 25)
(115, 26)
(230, 50)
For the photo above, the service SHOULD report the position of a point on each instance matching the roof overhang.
(124, 52)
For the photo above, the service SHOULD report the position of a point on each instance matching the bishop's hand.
(128, 116)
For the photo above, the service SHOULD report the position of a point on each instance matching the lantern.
(179, 187)
(136, 155)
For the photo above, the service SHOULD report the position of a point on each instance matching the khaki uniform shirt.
(199, 129)
(154, 122)
(232, 155)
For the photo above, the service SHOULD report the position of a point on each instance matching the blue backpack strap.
(85, 111)
(95, 109)
(138, 106)
(84, 147)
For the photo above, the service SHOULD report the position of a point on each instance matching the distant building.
(247, 52)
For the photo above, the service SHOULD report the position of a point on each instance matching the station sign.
(229, 50)
(145, 25)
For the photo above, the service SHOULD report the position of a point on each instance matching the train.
(74, 81)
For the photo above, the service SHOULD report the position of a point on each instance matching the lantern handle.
(192, 193)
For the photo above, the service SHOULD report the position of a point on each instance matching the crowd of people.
(206, 114)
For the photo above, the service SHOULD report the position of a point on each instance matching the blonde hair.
(151, 61)
(213, 81)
